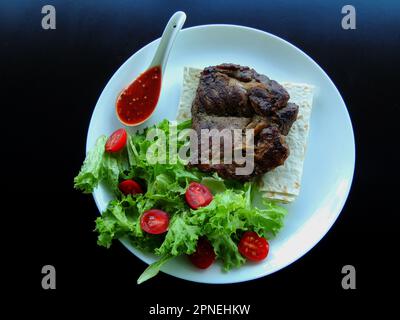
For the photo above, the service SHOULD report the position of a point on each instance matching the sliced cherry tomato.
(116, 141)
(253, 247)
(130, 187)
(198, 195)
(204, 256)
(154, 221)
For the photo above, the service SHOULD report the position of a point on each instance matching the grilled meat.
(232, 97)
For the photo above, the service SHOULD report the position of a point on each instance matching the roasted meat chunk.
(232, 97)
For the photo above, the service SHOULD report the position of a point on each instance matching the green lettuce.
(101, 166)
(223, 221)
(90, 173)
(181, 237)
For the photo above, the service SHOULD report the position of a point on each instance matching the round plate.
(329, 163)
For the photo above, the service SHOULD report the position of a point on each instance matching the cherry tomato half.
(253, 247)
(204, 256)
(116, 141)
(130, 187)
(154, 221)
(198, 195)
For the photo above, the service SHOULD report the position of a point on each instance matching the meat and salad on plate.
(188, 187)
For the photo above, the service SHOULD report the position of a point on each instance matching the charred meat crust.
(231, 96)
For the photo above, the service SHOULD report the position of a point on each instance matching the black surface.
(51, 80)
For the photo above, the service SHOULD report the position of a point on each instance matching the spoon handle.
(171, 30)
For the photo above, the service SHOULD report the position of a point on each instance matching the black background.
(51, 80)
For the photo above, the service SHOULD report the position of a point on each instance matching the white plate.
(329, 163)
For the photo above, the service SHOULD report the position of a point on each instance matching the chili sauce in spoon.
(136, 103)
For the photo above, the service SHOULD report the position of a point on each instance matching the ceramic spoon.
(137, 102)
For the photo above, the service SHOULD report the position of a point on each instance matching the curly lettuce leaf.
(226, 249)
(91, 171)
(113, 166)
(181, 237)
(120, 219)
(100, 166)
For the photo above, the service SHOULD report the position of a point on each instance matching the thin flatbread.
(282, 183)
(191, 78)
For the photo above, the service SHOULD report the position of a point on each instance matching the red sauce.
(137, 102)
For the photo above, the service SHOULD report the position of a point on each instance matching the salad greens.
(223, 221)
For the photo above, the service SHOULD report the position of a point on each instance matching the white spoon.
(171, 30)
(136, 103)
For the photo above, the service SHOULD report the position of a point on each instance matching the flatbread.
(191, 78)
(284, 182)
